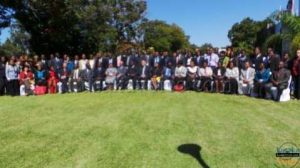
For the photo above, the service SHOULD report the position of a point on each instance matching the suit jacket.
(274, 63)
(148, 59)
(248, 75)
(147, 72)
(86, 75)
(282, 76)
(199, 60)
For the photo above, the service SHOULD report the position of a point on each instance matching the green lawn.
(144, 130)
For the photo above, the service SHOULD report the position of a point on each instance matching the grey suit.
(247, 75)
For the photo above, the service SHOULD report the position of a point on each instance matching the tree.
(9, 49)
(243, 35)
(291, 33)
(164, 37)
(77, 26)
(249, 34)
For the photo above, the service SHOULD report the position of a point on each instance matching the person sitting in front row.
(87, 77)
(280, 80)
(132, 74)
(111, 73)
(262, 77)
(232, 78)
(180, 73)
(246, 79)
(191, 76)
(26, 79)
(76, 83)
(156, 76)
(40, 76)
(167, 74)
(144, 75)
(219, 75)
(121, 76)
(52, 80)
(205, 75)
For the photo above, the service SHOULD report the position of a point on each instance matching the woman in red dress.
(52, 81)
(26, 78)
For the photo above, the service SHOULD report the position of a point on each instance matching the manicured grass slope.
(143, 129)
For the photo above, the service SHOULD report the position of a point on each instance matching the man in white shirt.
(211, 58)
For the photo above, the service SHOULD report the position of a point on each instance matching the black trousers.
(297, 87)
(143, 85)
(231, 86)
(260, 89)
(134, 81)
(121, 83)
(13, 88)
(64, 86)
(190, 83)
(205, 83)
(2, 86)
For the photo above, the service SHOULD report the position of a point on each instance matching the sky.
(206, 21)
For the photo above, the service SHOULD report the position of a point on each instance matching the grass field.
(144, 130)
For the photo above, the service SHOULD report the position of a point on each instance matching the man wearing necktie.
(144, 75)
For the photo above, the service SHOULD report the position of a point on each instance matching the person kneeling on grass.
(26, 79)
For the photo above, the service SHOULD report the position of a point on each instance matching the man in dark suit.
(121, 76)
(87, 77)
(56, 62)
(130, 58)
(259, 58)
(279, 79)
(156, 58)
(144, 75)
(148, 58)
(132, 74)
(273, 61)
(199, 59)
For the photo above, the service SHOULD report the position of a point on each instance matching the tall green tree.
(77, 26)
(163, 36)
(243, 35)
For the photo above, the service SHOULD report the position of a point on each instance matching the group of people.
(211, 71)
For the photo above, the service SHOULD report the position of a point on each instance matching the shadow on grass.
(194, 151)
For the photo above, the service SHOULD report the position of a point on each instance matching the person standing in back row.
(12, 73)
(296, 75)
